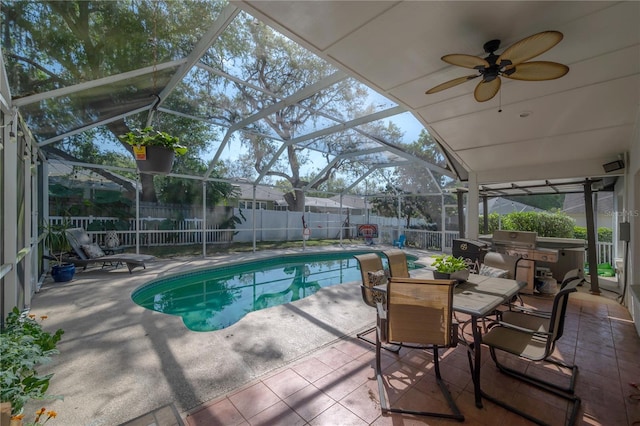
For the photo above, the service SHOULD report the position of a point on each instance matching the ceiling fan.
(510, 64)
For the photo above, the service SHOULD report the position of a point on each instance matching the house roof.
(575, 204)
(503, 206)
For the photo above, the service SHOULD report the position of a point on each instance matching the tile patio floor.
(336, 385)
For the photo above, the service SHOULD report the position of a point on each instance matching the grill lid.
(521, 239)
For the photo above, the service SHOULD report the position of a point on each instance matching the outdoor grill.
(523, 245)
(471, 250)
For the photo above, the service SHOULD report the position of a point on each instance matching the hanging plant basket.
(158, 159)
(154, 151)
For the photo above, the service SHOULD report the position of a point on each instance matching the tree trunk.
(295, 200)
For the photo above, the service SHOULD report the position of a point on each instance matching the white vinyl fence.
(270, 225)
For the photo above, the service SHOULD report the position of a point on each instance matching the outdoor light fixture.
(613, 166)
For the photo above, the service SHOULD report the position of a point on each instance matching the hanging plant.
(154, 151)
(150, 137)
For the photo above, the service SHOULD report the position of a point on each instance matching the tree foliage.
(53, 44)
(274, 69)
(406, 182)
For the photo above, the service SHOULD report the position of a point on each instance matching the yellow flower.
(17, 417)
(41, 411)
(32, 316)
(43, 317)
(52, 414)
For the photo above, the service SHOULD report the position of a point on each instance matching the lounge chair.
(89, 252)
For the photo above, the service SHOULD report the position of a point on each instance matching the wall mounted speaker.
(613, 166)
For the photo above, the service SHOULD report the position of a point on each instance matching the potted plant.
(450, 267)
(56, 241)
(24, 346)
(154, 150)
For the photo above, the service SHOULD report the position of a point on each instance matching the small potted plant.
(56, 241)
(450, 268)
(154, 151)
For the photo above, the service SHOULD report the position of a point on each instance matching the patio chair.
(400, 241)
(533, 337)
(418, 313)
(398, 266)
(373, 274)
(88, 252)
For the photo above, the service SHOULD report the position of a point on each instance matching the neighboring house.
(83, 178)
(356, 204)
(266, 197)
(270, 198)
(503, 206)
(603, 203)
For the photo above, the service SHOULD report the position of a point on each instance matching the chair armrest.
(381, 323)
(522, 329)
(382, 314)
(529, 311)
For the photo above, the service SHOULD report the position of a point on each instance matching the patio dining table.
(478, 297)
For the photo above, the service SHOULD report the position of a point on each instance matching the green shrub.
(24, 346)
(494, 223)
(605, 235)
(545, 224)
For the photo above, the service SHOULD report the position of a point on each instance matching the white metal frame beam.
(291, 100)
(221, 23)
(27, 100)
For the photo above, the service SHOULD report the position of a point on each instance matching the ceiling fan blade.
(536, 71)
(450, 83)
(487, 90)
(530, 47)
(467, 61)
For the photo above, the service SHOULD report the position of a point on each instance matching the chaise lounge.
(89, 252)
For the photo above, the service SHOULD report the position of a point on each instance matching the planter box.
(460, 276)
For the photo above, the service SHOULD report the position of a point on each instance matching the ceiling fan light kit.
(512, 63)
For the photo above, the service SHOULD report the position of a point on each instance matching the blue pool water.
(215, 298)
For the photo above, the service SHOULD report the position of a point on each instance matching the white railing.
(189, 232)
(604, 254)
(182, 232)
(431, 240)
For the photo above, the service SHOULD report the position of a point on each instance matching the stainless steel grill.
(523, 245)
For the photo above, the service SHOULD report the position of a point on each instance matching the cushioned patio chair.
(418, 313)
(398, 266)
(533, 337)
(88, 252)
(373, 274)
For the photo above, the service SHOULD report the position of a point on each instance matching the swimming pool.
(215, 298)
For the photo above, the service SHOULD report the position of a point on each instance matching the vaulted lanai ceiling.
(565, 128)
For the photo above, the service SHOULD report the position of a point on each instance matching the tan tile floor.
(336, 385)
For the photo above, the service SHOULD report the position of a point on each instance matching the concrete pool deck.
(119, 361)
